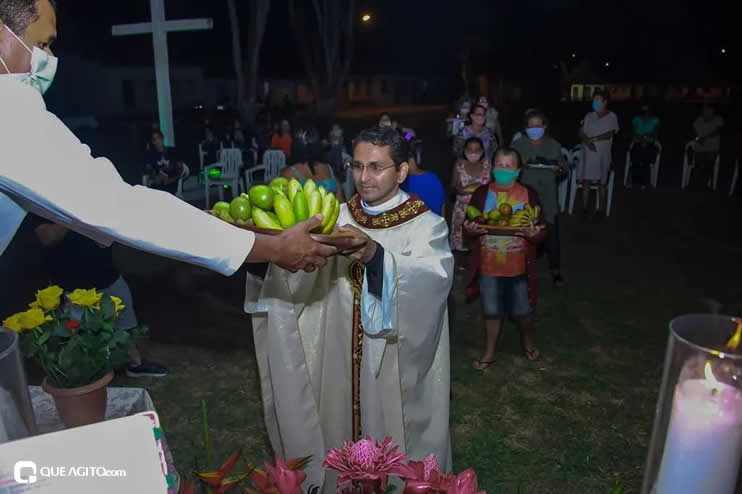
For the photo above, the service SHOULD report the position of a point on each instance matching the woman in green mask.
(501, 266)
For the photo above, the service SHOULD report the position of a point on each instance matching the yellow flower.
(34, 305)
(49, 298)
(33, 318)
(13, 322)
(118, 305)
(85, 298)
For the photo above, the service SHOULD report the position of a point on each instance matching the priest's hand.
(293, 249)
(367, 249)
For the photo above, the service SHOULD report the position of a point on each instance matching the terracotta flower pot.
(80, 406)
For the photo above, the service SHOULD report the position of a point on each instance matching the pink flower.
(464, 483)
(428, 478)
(287, 481)
(368, 462)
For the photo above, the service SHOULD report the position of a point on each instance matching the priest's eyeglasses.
(375, 167)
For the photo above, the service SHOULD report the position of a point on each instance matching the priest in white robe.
(45, 169)
(361, 346)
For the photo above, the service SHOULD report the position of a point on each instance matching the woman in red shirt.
(282, 139)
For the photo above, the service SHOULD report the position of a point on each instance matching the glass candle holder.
(696, 442)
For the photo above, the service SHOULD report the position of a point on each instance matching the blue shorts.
(503, 297)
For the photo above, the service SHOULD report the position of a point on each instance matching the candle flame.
(711, 382)
(734, 341)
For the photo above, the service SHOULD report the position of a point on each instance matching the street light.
(574, 55)
(607, 64)
(366, 18)
(723, 51)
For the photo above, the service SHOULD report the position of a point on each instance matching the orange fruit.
(505, 209)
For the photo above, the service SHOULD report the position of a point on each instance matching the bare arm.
(50, 234)
(453, 186)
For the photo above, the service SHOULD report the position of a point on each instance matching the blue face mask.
(597, 105)
(505, 177)
(535, 133)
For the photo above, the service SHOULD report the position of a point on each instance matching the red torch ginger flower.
(465, 483)
(73, 325)
(428, 479)
(287, 481)
(367, 461)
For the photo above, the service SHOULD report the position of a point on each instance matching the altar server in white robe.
(45, 169)
(361, 346)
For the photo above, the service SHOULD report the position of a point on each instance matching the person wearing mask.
(707, 145)
(477, 128)
(643, 150)
(596, 133)
(163, 165)
(426, 185)
(306, 156)
(469, 172)
(46, 170)
(282, 139)
(538, 148)
(500, 267)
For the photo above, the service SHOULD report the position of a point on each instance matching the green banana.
(294, 187)
(328, 205)
(284, 211)
(322, 191)
(309, 186)
(263, 219)
(333, 218)
(472, 212)
(315, 203)
(301, 206)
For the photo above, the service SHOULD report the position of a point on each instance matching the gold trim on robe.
(355, 276)
(407, 211)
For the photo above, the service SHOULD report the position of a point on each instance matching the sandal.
(532, 354)
(483, 364)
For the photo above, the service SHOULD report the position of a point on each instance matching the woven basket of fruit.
(505, 221)
(272, 208)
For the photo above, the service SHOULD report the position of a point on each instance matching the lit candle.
(704, 440)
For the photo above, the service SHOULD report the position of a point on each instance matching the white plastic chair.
(202, 153)
(230, 161)
(183, 176)
(735, 177)
(689, 165)
(273, 162)
(578, 154)
(654, 168)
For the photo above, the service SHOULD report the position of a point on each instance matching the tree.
(247, 82)
(326, 46)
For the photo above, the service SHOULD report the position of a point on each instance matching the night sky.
(645, 40)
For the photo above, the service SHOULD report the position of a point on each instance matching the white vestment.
(45, 169)
(304, 325)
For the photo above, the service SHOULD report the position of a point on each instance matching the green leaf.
(107, 307)
(43, 338)
(60, 330)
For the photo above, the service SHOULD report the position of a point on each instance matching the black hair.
(385, 114)
(157, 132)
(602, 93)
(534, 113)
(469, 141)
(508, 151)
(306, 147)
(385, 136)
(475, 106)
(19, 14)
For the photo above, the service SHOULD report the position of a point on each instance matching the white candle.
(704, 440)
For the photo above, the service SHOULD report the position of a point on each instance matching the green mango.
(301, 206)
(472, 212)
(328, 207)
(322, 191)
(284, 211)
(333, 218)
(263, 219)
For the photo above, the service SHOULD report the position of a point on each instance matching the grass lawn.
(578, 421)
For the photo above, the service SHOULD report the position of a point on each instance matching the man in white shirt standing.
(707, 128)
(45, 169)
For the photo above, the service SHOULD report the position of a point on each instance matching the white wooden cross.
(158, 28)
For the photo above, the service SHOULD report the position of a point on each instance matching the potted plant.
(72, 338)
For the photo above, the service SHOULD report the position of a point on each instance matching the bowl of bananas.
(506, 220)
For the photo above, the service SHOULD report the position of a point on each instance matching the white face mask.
(43, 67)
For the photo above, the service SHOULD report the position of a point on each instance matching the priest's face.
(40, 33)
(376, 177)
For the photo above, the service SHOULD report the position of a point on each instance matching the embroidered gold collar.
(408, 210)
